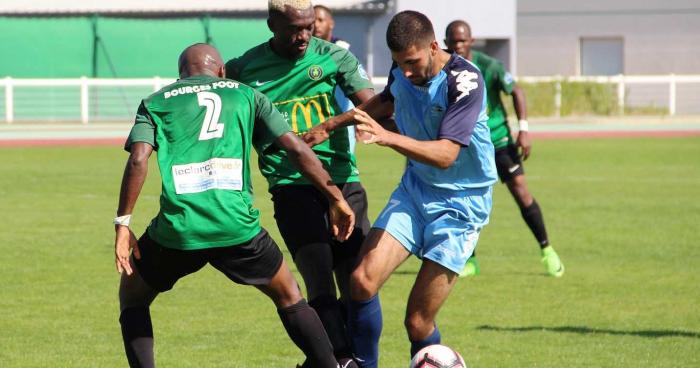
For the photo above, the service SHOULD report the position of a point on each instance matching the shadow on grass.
(589, 330)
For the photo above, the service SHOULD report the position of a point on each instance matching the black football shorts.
(508, 163)
(301, 212)
(254, 262)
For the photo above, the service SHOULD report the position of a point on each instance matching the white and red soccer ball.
(437, 356)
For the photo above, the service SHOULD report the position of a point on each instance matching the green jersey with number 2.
(203, 129)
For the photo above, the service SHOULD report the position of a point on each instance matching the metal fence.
(80, 99)
(671, 94)
(94, 100)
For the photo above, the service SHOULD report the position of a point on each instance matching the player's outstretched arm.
(375, 106)
(132, 182)
(520, 106)
(341, 215)
(440, 153)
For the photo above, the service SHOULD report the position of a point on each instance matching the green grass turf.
(622, 213)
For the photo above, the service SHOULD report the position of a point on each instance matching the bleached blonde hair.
(278, 5)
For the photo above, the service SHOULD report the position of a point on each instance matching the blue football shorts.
(437, 224)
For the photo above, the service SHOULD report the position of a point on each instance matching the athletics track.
(28, 135)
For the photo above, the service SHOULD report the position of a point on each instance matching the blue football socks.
(432, 339)
(365, 327)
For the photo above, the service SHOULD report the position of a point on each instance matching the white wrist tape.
(522, 123)
(122, 220)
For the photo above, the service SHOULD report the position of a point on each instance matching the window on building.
(602, 56)
(496, 48)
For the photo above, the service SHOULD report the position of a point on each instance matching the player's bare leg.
(520, 192)
(299, 319)
(430, 290)
(379, 256)
(135, 297)
(283, 288)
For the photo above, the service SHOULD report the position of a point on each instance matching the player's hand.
(315, 135)
(124, 243)
(524, 144)
(342, 220)
(361, 136)
(369, 130)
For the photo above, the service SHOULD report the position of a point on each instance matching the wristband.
(523, 125)
(122, 220)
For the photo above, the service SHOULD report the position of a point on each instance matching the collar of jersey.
(200, 77)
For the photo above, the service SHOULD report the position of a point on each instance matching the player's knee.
(283, 288)
(287, 296)
(417, 326)
(520, 191)
(361, 286)
(134, 292)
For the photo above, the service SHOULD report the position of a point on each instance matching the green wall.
(128, 48)
(45, 47)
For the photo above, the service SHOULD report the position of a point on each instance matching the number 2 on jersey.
(210, 126)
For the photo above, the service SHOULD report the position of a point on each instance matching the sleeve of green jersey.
(144, 129)
(505, 79)
(351, 77)
(269, 123)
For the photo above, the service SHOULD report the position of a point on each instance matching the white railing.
(622, 82)
(98, 98)
(627, 87)
(83, 84)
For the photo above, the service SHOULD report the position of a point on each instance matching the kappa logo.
(466, 82)
(315, 72)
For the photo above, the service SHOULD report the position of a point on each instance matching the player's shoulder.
(341, 43)
(159, 95)
(459, 69)
(197, 84)
(458, 64)
(485, 61)
(324, 48)
(463, 76)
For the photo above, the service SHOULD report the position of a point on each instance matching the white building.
(608, 37)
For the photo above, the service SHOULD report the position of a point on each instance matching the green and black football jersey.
(303, 91)
(203, 129)
(497, 80)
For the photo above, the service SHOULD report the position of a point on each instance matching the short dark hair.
(409, 28)
(457, 23)
(324, 8)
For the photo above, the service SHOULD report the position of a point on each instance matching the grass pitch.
(622, 213)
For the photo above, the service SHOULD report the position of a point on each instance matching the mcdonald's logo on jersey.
(305, 111)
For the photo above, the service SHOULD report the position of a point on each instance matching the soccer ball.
(437, 356)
